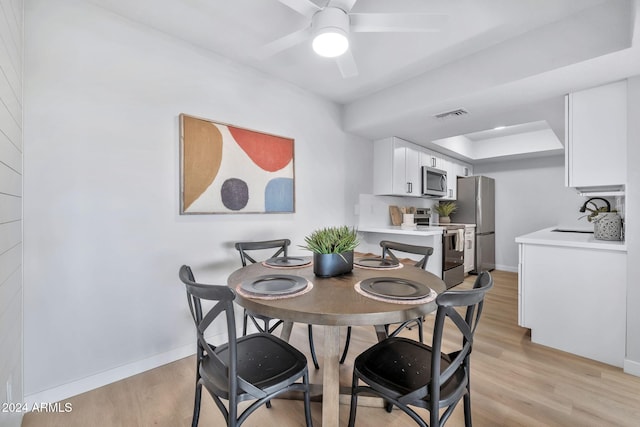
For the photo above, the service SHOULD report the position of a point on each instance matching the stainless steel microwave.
(434, 182)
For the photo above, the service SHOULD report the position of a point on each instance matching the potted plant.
(444, 209)
(332, 249)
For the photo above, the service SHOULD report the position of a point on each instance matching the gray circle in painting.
(234, 194)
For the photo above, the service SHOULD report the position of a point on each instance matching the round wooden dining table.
(332, 303)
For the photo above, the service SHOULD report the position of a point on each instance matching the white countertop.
(455, 223)
(569, 239)
(391, 229)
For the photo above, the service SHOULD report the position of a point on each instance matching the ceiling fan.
(331, 25)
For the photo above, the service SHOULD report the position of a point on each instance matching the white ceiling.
(507, 62)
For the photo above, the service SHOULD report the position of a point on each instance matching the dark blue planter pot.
(329, 265)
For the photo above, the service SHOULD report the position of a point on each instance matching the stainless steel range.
(452, 248)
(452, 254)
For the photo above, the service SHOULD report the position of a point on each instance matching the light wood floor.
(514, 383)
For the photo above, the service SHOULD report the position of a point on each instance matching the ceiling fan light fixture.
(330, 44)
(330, 32)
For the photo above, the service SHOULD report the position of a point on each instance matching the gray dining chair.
(246, 249)
(254, 367)
(388, 248)
(408, 373)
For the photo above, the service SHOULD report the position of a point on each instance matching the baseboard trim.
(632, 367)
(92, 382)
(83, 385)
(508, 268)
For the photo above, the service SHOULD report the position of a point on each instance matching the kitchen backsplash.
(373, 211)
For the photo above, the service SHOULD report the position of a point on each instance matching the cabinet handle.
(433, 162)
(409, 187)
(451, 194)
(468, 244)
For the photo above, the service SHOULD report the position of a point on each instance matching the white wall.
(530, 195)
(103, 238)
(632, 228)
(11, 49)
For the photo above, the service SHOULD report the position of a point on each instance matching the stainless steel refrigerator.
(476, 205)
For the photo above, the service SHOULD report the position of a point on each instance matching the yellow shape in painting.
(202, 155)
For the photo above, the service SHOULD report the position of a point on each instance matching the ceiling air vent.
(453, 113)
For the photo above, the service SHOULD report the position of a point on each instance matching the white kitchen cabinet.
(451, 167)
(396, 168)
(436, 160)
(463, 169)
(596, 137)
(469, 248)
(574, 299)
(425, 158)
(454, 168)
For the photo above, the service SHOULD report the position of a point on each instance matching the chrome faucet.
(584, 207)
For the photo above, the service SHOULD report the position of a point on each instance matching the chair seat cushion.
(264, 360)
(399, 366)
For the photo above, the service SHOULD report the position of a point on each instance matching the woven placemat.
(432, 296)
(240, 291)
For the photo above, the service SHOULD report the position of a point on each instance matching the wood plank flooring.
(514, 383)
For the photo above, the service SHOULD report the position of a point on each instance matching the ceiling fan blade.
(398, 22)
(347, 65)
(283, 43)
(303, 7)
(345, 5)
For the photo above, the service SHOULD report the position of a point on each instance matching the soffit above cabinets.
(526, 140)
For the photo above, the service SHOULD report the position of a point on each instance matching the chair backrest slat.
(425, 251)
(281, 245)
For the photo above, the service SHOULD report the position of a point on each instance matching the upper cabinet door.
(413, 172)
(436, 160)
(454, 168)
(464, 169)
(396, 169)
(399, 184)
(406, 170)
(596, 137)
(452, 173)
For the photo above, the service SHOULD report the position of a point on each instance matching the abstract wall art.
(228, 169)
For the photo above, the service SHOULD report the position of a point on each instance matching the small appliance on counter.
(421, 217)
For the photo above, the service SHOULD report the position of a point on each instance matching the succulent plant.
(332, 240)
(445, 208)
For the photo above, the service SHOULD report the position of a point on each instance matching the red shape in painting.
(269, 152)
